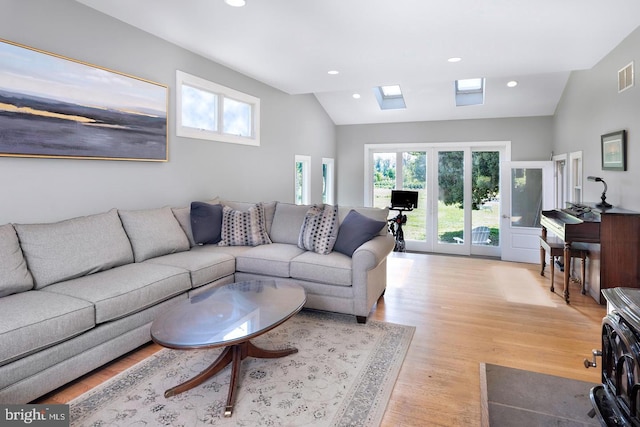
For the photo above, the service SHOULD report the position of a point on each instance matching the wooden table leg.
(235, 371)
(543, 253)
(567, 270)
(220, 363)
(233, 355)
(583, 272)
(552, 271)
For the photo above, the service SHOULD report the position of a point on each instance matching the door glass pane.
(384, 178)
(485, 188)
(414, 178)
(526, 197)
(450, 196)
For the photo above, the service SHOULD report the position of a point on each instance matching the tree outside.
(485, 191)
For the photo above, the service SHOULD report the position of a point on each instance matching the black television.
(401, 199)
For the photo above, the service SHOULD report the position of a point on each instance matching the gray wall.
(531, 139)
(590, 107)
(40, 190)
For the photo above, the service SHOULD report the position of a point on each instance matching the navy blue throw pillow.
(355, 230)
(206, 223)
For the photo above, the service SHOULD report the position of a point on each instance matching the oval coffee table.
(228, 316)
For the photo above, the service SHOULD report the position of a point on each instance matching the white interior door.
(527, 188)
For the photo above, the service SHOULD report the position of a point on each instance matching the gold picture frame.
(56, 107)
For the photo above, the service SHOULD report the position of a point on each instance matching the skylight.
(469, 92)
(389, 97)
(391, 91)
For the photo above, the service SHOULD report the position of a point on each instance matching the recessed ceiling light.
(512, 83)
(356, 96)
(333, 72)
(454, 59)
(235, 3)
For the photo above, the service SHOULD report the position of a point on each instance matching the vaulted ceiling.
(292, 44)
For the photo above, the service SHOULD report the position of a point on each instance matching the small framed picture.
(614, 151)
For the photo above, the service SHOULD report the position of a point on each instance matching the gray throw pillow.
(74, 247)
(244, 228)
(319, 229)
(355, 230)
(183, 215)
(15, 277)
(206, 223)
(153, 232)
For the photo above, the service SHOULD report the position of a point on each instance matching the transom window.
(207, 110)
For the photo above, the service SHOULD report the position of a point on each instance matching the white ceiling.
(292, 44)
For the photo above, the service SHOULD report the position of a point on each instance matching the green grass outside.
(450, 218)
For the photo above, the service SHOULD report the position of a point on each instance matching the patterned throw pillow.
(319, 229)
(244, 228)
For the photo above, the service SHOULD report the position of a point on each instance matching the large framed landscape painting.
(56, 107)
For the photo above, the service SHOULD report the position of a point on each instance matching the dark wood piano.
(613, 236)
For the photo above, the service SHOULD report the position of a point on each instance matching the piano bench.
(555, 247)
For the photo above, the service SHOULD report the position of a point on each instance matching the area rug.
(518, 398)
(342, 375)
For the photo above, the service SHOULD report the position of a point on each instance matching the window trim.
(223, 92)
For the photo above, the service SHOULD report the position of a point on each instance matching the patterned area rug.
(342, 375)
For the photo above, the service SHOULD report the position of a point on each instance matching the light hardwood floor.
(466, 311)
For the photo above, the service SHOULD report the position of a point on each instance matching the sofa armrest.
(370, 254)
(369, 272)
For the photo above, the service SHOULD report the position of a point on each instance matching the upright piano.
(613, 236)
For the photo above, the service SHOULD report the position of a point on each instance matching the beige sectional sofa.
(78, 293)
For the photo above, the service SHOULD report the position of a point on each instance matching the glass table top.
(228, 314)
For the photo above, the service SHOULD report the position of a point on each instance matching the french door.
(458, 189)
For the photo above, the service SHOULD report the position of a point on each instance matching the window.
(207, 110)
(469, 92)
(575, 177)
(327, 181)
(302, 180)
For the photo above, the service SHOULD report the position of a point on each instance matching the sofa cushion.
(287, 223)
(334, 268)
(15, 277)
(319, 229)
(74, 247)
(34, 320)
(355, 230)
(153, 232)
(206, 223)
(271, 260)
(244, 228)
(125, 290)
(204, 266)
(269, 210)
(183, 216)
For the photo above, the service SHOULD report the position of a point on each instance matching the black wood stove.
(616, 402)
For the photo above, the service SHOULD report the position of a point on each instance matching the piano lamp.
(604, 203)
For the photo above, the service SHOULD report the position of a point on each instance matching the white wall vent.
(625, 77)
